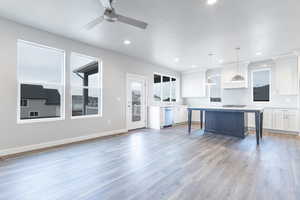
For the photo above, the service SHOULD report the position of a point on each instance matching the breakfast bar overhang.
(224, 114)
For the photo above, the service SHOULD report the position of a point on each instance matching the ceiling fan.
(110, 15)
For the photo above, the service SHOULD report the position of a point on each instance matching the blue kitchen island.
(228, 120)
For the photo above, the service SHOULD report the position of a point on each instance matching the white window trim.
(100, 77)
(161, 91)
(270, 90)
(209, 90)
(62, 85)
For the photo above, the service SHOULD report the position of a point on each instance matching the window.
(33, 114)
(85, 86)
(261, 80)
(24, 102)
(164, 88)
(40, 81)
(157, 87)
(173, 90)
(215, 89)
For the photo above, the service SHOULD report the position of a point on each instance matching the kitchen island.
(228, 120)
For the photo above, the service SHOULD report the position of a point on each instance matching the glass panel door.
(136, 102)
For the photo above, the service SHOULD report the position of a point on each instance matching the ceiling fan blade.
(132, 22)
(107, 4)
(94, 23)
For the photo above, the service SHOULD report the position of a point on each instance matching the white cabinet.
(180, 115)
(231, 70)
(286, 76)
(251, 120)
(285, 119)
(193, 84)
(278, 119)
(291, 121)
(268, 119)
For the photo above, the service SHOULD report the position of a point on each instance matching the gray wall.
(115, 67)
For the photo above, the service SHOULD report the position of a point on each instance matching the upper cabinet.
(229, 71)
(193, 84)
(286, 76)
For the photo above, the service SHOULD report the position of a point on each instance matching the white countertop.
(168, 106)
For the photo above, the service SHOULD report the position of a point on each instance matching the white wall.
(115, 67)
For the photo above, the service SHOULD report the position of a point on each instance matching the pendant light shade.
(238, 77)
(210, 82)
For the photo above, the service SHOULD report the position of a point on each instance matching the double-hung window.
(41, 82)
(215, 89)
(86, 87)
(261, 85)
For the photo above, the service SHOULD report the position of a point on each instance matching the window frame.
(270, 83)
(100, 78)
(161, 89)
(210, 87)
(62, 85)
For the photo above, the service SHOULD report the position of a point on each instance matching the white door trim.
(129, 75)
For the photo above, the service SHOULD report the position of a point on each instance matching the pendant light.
(209, 81)
(238, 77)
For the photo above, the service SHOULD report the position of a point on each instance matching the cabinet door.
(193, 85)
(291, 121)
(177, 115)
(268, 119)
(278, 119)
(183, 115)
(251, 120)
(286, 76)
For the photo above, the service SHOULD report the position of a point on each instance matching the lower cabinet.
(180, 115)
(278, 119)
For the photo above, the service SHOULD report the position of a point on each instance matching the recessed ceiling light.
(176, 59)
(211, 2)
(221, 61)
(127, 42)
(258, 53)
(194, 66)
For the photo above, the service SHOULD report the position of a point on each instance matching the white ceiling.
(187, 29)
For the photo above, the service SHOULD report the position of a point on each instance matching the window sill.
(30, 121)
(86, 116)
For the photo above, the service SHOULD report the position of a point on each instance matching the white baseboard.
(23, 149)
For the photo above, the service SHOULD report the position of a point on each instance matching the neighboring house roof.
(90, 68)
(51, 96)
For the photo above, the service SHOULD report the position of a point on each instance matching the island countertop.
(233, 108)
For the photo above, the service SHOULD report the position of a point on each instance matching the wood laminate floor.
(154, 165)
